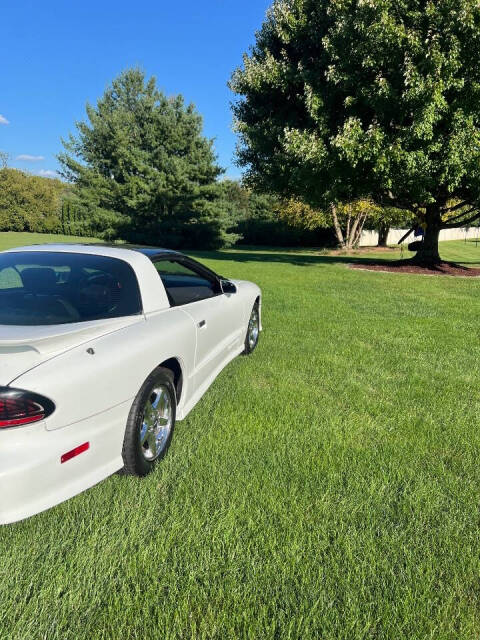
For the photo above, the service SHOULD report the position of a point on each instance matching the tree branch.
(460, 215)
(461, 223)
(397, 204)
(404, 237)
(388, 199)
(456, 207)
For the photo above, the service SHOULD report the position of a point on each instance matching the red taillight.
(19, 407)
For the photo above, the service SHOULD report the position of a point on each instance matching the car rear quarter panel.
(82, 384)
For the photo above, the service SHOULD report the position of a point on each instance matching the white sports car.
(101, 350)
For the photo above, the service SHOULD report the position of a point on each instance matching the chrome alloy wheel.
(157, 423)
(253, 328)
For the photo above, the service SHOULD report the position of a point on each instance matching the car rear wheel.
(253, 331)
(150, 423)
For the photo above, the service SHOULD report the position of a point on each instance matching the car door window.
(184, 284)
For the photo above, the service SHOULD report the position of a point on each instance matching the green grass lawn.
(326, 487)
(11, 239)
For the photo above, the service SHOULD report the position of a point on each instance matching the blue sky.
(57, 55)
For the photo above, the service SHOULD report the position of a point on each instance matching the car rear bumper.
(32, 476)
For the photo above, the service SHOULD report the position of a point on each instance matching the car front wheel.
(253, 331)
(150, 423)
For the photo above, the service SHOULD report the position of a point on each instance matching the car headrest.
(39, 279)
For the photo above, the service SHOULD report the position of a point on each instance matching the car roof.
(146, 250)
(97, 248)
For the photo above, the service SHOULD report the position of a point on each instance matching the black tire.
(135, 455)
(251, 344)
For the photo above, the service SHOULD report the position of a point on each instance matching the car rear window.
(43, 287)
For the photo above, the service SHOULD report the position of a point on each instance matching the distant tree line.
(48, 205)
(140, 170)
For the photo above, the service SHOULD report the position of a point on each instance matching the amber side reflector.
(75, 452)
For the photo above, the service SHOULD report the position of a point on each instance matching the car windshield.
(43, 287)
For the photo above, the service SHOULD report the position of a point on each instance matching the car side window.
(184, 284)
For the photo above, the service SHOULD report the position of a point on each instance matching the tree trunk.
(338, 229)
(428, 254)
(358, 231)
(352, 232)
(383, 231)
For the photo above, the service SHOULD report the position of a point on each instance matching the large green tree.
(341, 99)
(141, 165)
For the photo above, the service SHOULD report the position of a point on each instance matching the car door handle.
(201, 324)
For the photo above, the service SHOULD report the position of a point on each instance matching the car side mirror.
(227, 286)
